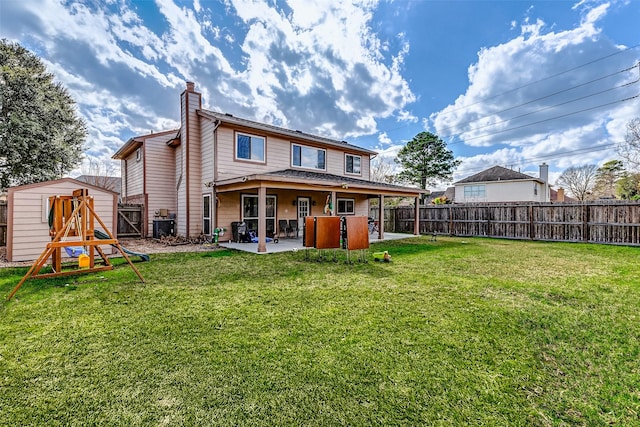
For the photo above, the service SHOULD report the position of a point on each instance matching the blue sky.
(511, 83)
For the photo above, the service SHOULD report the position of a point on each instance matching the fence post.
(585, 222)
(531, 226)
(451, 221)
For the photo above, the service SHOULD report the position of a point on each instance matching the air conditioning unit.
(163, 227)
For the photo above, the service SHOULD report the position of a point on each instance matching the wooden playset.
(71, 227)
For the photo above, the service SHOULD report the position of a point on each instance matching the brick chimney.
(560, 195)
(191, 87)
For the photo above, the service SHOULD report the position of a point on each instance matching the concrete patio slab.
(289, 245)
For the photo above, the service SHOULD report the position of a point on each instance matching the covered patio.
(281, 194)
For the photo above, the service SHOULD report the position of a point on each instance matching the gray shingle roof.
(496, 173)
(317, 176)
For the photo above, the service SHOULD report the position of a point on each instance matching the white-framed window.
(250, 147)
(474, 191)
(206, 214)
(250, 212)
(139, 154)
(352, 164)
(535, 189)
(308, 157)
(346, 207)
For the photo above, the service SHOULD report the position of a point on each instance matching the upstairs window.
(352, 164)
(308, 157)
(250, 147)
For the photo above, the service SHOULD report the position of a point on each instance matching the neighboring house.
(449, 194)
(218, 169)
(28, 215)
(498, 184)
(111, 183)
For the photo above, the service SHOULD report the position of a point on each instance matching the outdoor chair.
(293, 227)
(283, 228)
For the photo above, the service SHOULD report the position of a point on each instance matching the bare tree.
(382, 170)
(629, 150)
(579, 180)
(101, 173)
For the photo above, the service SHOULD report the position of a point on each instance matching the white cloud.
(533, 98)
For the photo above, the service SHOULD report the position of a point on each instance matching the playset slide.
(102, 236)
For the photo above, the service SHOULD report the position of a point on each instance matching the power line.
(538, 81)
(543, 79)
(547, 120)
(557, 155)
(637, 65)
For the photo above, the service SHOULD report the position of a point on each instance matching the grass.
(453, 332)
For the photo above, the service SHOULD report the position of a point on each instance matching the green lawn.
(453, 332)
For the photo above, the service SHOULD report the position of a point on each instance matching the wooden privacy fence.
(3, 223)
(130, 220)
(615, 223)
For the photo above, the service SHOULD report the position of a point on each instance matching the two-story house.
(499, 184)
(217, 169)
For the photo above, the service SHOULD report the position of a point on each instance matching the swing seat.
(74, 251)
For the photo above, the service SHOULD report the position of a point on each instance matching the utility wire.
(545, 108)
(637, 65)
(543, 79)
(532, 83)
(557, 155)
(546, 120)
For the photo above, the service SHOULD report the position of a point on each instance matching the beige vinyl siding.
(207, 137)
(207, 150)
(278, 157)
(29, 233)
(181, 193)
(228, 211)
(135, 175)
(335, 162)
(160, 184)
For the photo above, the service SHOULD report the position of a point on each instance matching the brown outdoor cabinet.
(308, 234)
(327, 232)
(356, 232)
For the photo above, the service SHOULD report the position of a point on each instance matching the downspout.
(214, 193)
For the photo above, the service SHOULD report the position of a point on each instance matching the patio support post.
(416, 223)
(381, 218)
(334, 200)
(262, 218)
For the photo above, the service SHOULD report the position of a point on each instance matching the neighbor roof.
(497, 173)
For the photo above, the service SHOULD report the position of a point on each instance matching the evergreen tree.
(425, 160)
(629, 187)
(41, 135)
(607, 177)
